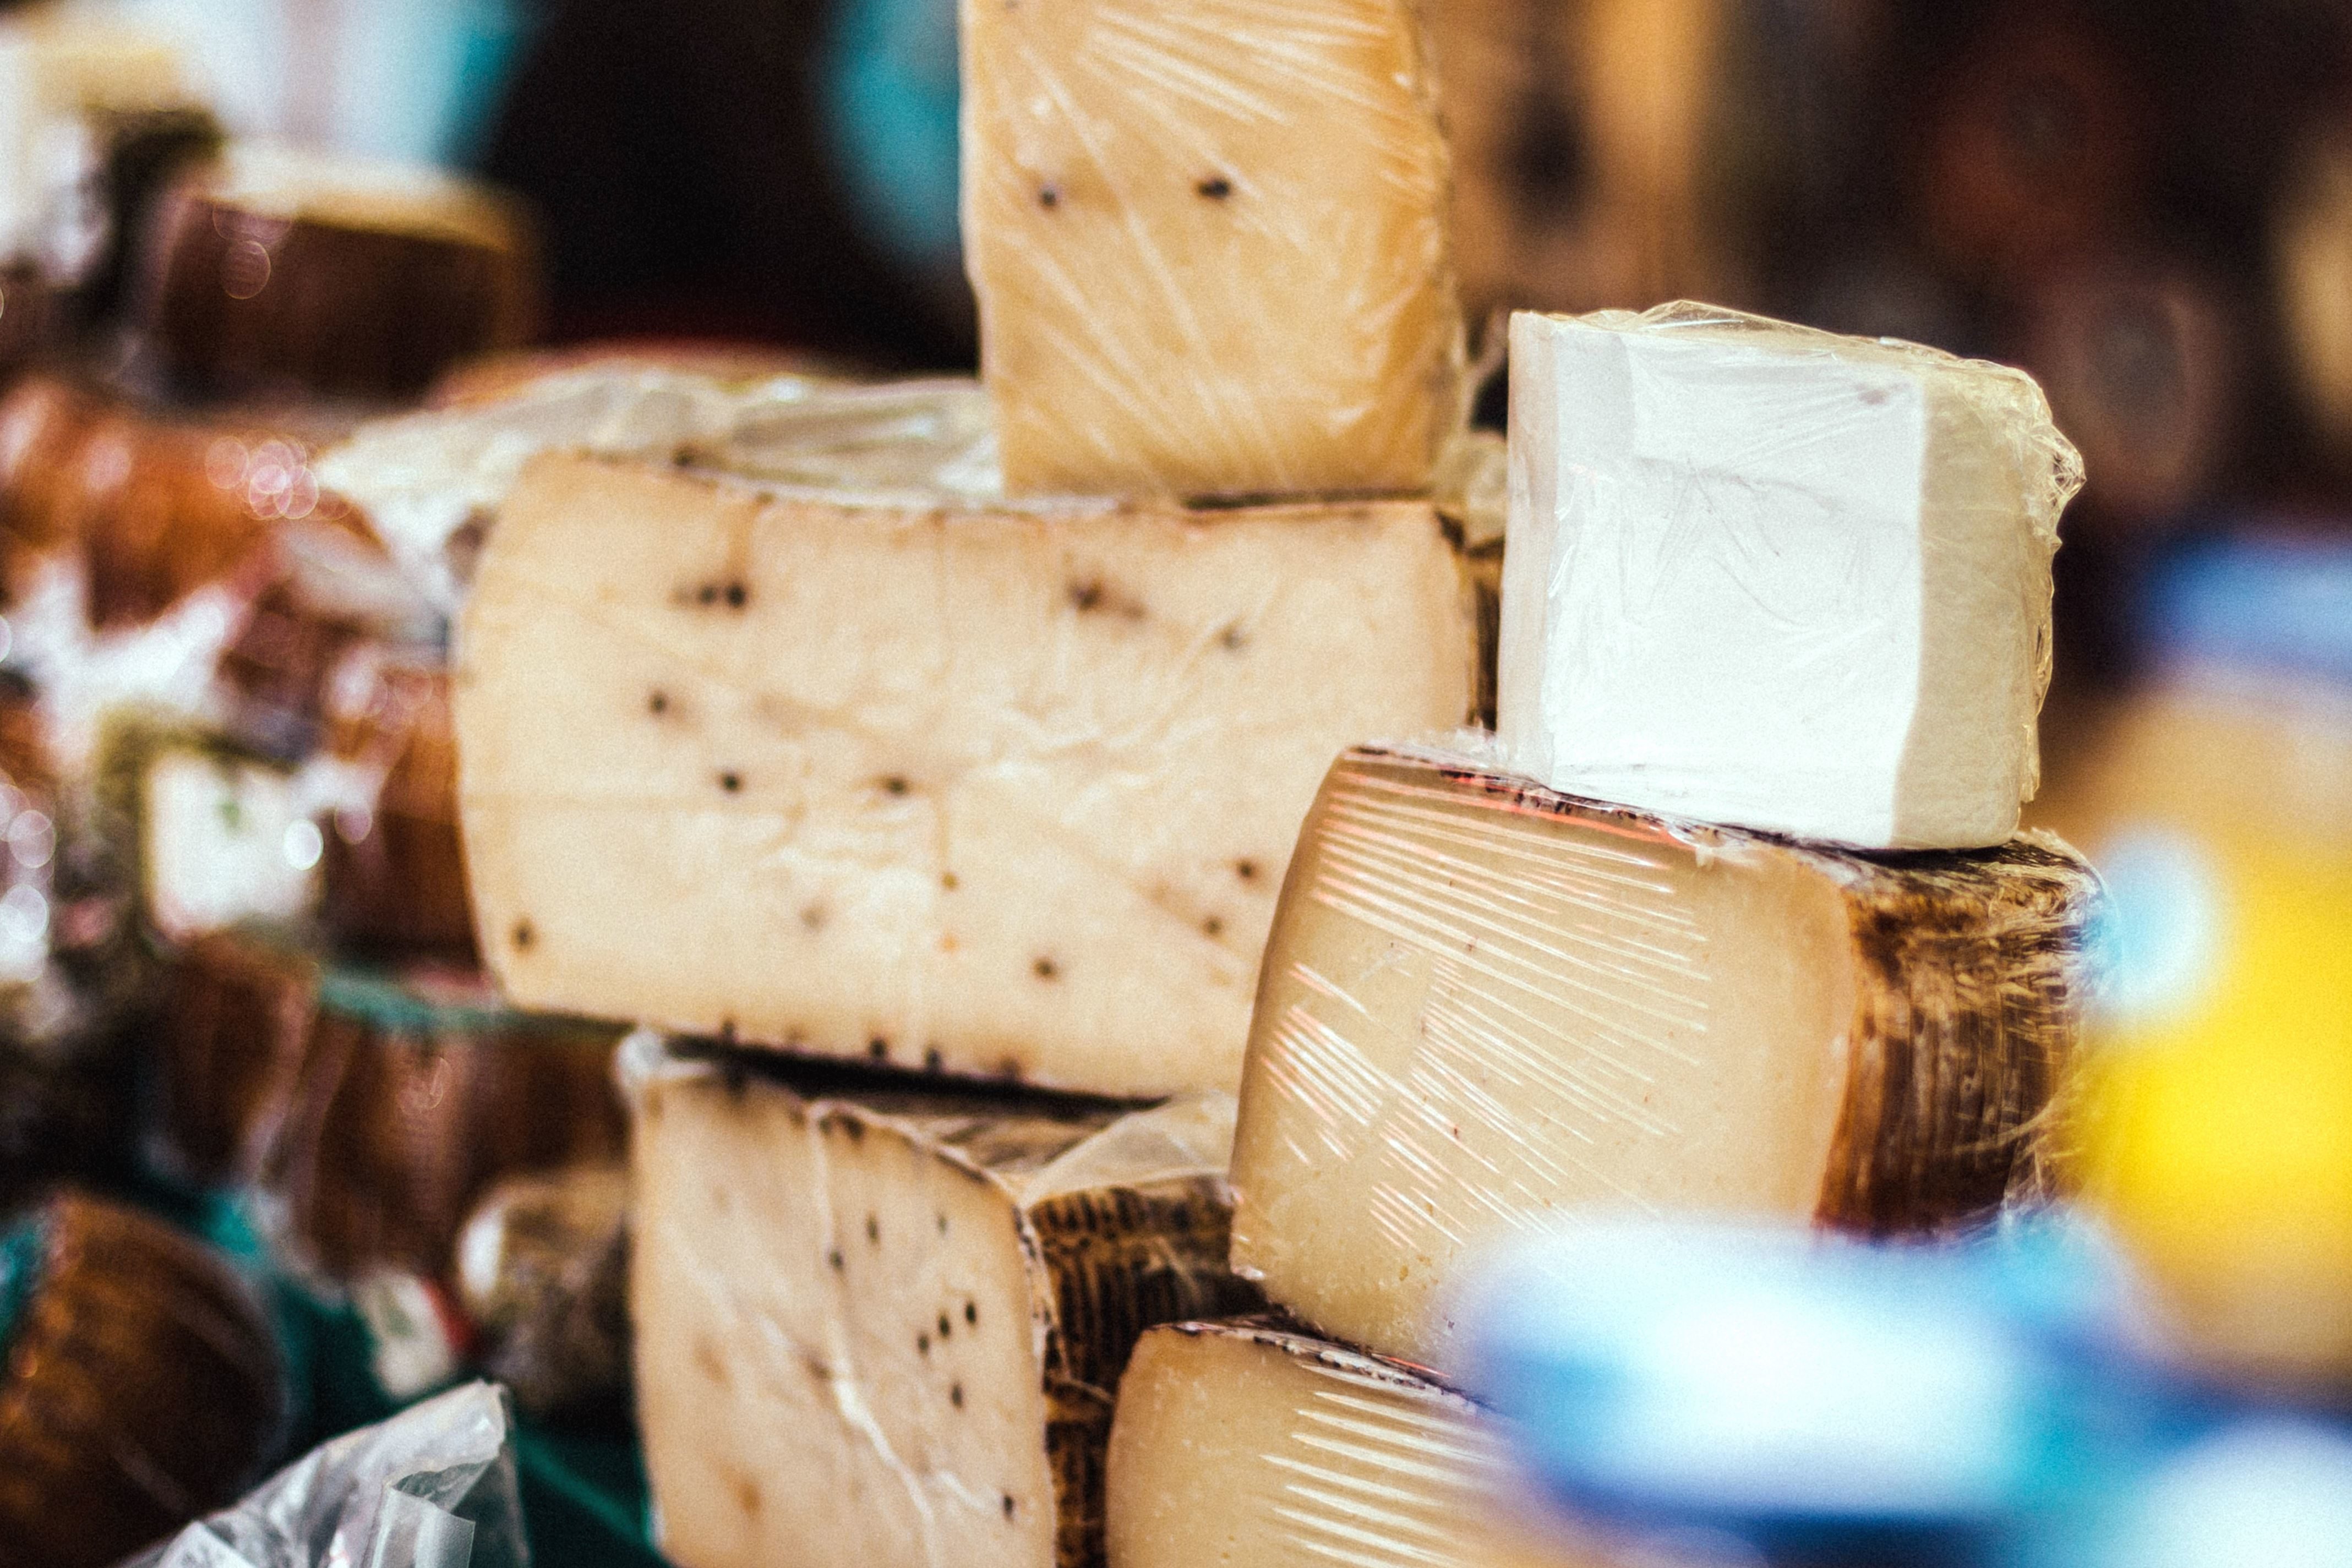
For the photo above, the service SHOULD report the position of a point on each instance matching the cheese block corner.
(1209, 246)
(1484, 1002)
(996, 791)
(885, 1328)
(1771, 576)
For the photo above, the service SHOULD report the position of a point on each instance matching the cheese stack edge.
(1486, 1004)
(961, 787)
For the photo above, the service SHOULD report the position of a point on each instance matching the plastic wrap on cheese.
(430, 483)
(1766, 575)
(435, 1487)
(1484, 1002)
(1208, 244)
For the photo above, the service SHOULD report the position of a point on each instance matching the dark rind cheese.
(141, 1387)
(300, 276)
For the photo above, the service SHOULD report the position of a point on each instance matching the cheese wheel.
(140, 1384)
(275, 272)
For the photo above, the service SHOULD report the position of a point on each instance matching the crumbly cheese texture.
(886, 1330)
(1485, 1003)
(1250, 1446)
(1209, 243)
(986, 792)
(1765, 575)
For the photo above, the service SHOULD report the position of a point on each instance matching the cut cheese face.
(1209, 243)
(1250, 1446)
(223, 839)
(1765, 575)
(987, 792)
(887, 1330)
(1485, 1003)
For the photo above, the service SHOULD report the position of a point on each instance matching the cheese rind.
(1484, 1002)
(1209, 246)
(1250, 1444)
(886, 1329)
(1765, 575)
(918, 785)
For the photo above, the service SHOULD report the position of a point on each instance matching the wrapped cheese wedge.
(1484, 1002)
(140, 1383)
(1248, 1444)
(1209, 245)
(393, 878)
(1766, 575)
(273, 271)
(885, 1328)
(913, 780)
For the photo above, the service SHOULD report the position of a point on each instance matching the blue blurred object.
(2280, 603)
(889, 106)
(2267, 1492)
(1821, 1400)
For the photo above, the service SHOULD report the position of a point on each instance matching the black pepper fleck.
(971, 1312)
(1086, 595)
(946, 1328)
(1008, 1505)
(955, 1396)
(874, 1231)
(737, 594)
(1213, 927)
(1047, 968)
(523, 934)
(834, 1258)
(1232, 638)
(931, 1059)
(658, 703)
(948, 880)
(1245, 869)
(708, 594)
(812, 917)
(944, 1224)
(731, 782)
(894, 784)
(923, 1343)
(1049, 197)
(878, 1048)
(1216, 187)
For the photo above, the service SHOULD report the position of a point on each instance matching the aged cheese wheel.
(909, 780)
(1484, 1002)
(419, 1089)
(140, 1383)
(885, 1328)
(379, 1104)
(272, 272)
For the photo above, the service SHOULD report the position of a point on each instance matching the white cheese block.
(1766, 575)
(887, 1330)
(223, 839)
(990, 792)
(1485, 1003)
(1248, 1445)
(1209, 243)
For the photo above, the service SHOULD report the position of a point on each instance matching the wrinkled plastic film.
(1209, 245)
(1484, 1002)
(435, 1487)
(1767, 575)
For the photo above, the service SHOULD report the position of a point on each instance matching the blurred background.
(2148, 203)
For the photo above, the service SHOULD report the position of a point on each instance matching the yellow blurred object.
(2216, 1130)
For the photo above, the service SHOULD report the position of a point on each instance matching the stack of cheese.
(1756, 574)
(1001, 783)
